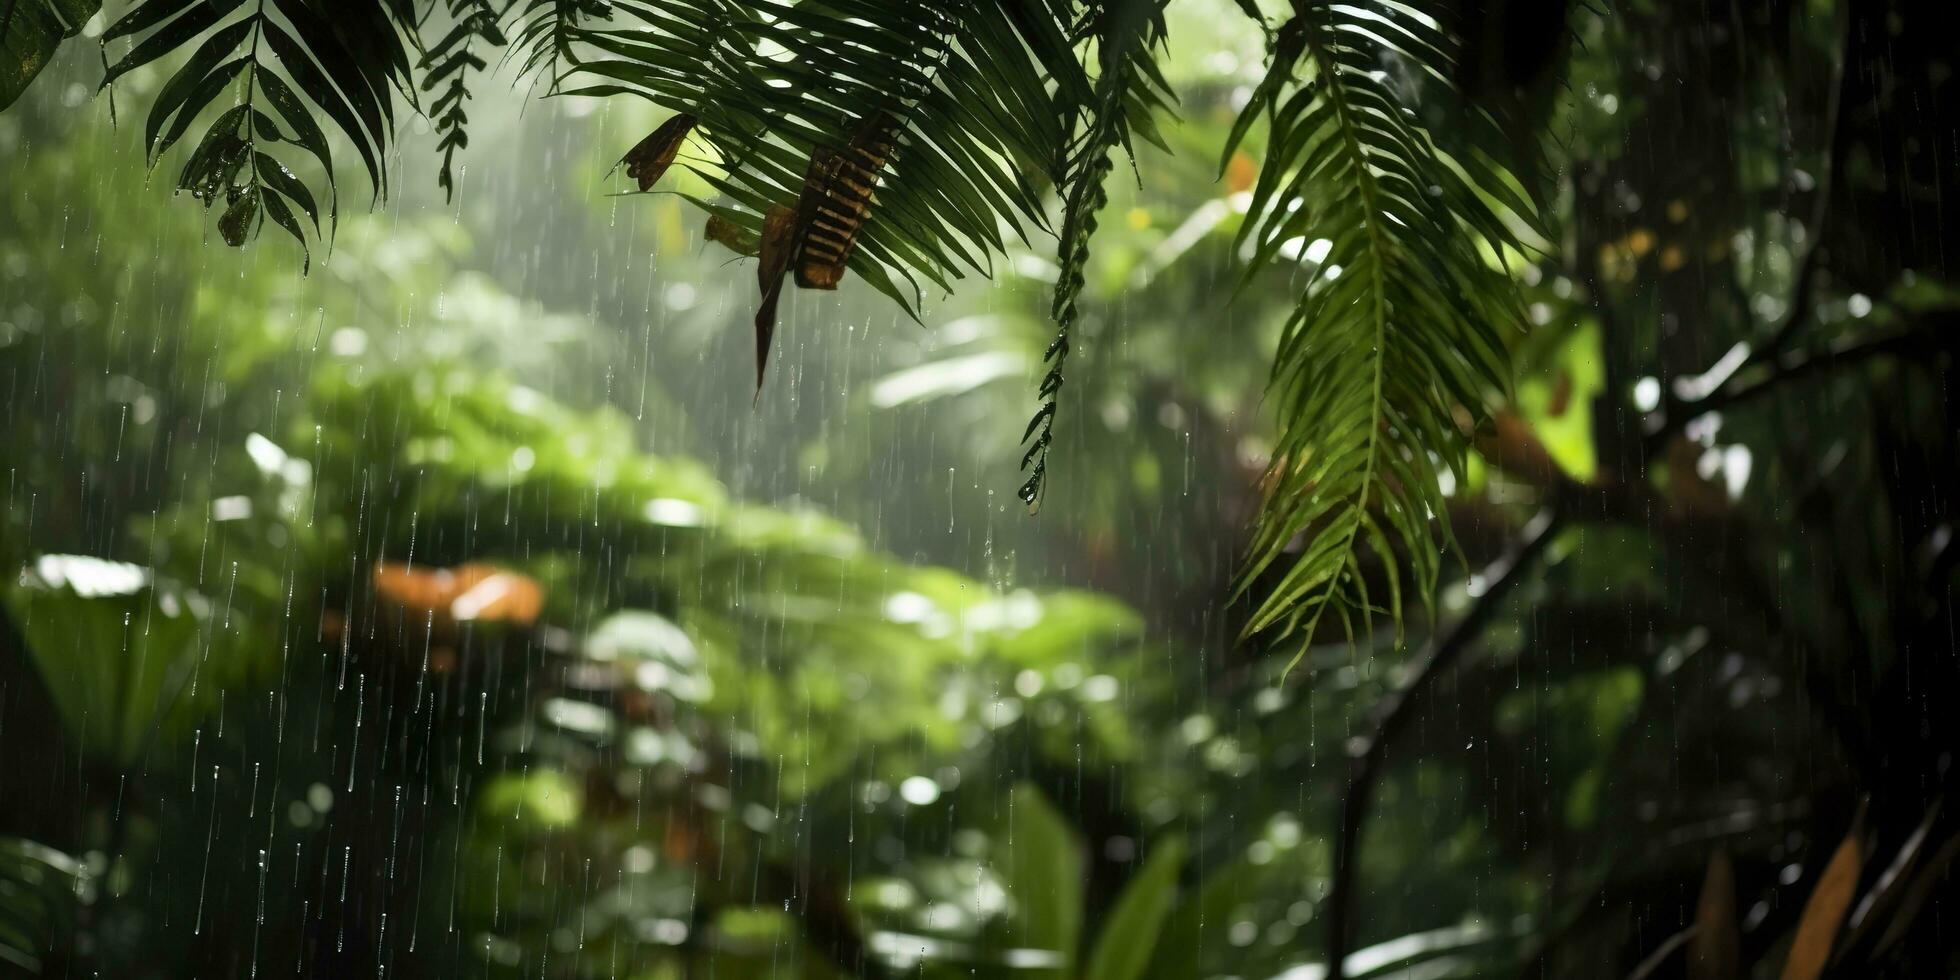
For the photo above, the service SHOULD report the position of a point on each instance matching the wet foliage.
(1499, 521)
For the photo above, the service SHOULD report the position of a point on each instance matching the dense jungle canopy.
(1049, 489)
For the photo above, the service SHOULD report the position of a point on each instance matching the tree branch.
(1931, 333)
(1395, 711)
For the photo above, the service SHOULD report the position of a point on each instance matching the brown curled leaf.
(650, 157)
(731, 236)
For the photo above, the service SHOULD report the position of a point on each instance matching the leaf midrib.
(1330, 70)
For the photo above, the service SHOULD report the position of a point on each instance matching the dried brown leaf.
(777, 248)
(1715, 952)
(1817, 930)
(837, 192)
(731, 236)
(650, 157)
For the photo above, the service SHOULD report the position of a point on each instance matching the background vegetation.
(457, 607)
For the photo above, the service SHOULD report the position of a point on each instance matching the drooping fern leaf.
(1400, 317)
(1128, 94)
(447, 65)
(545, 32)
(350, 60)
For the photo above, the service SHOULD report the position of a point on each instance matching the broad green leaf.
(1044, 869)
(127, 659)
(30, 33)
(1129, 938)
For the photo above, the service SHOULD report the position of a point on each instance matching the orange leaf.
(1810, 953)
(497, 596)
(1715, 952)
(472, 592)
(1240, 173)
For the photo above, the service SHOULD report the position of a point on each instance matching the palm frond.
(979, 99)
(1400, 315)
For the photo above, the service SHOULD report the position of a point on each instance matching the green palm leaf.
(446, 67)
(980, 94)
(1399, 323)
(989, 105)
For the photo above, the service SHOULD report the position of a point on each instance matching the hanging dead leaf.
(1715, 951)
(730, 236)
(837, 192)
(650, 157)
(777, 248)
(1817, 930)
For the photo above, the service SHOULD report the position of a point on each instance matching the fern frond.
(350, 60)
(1399, 321)
(1128, 94)
(447, 65)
